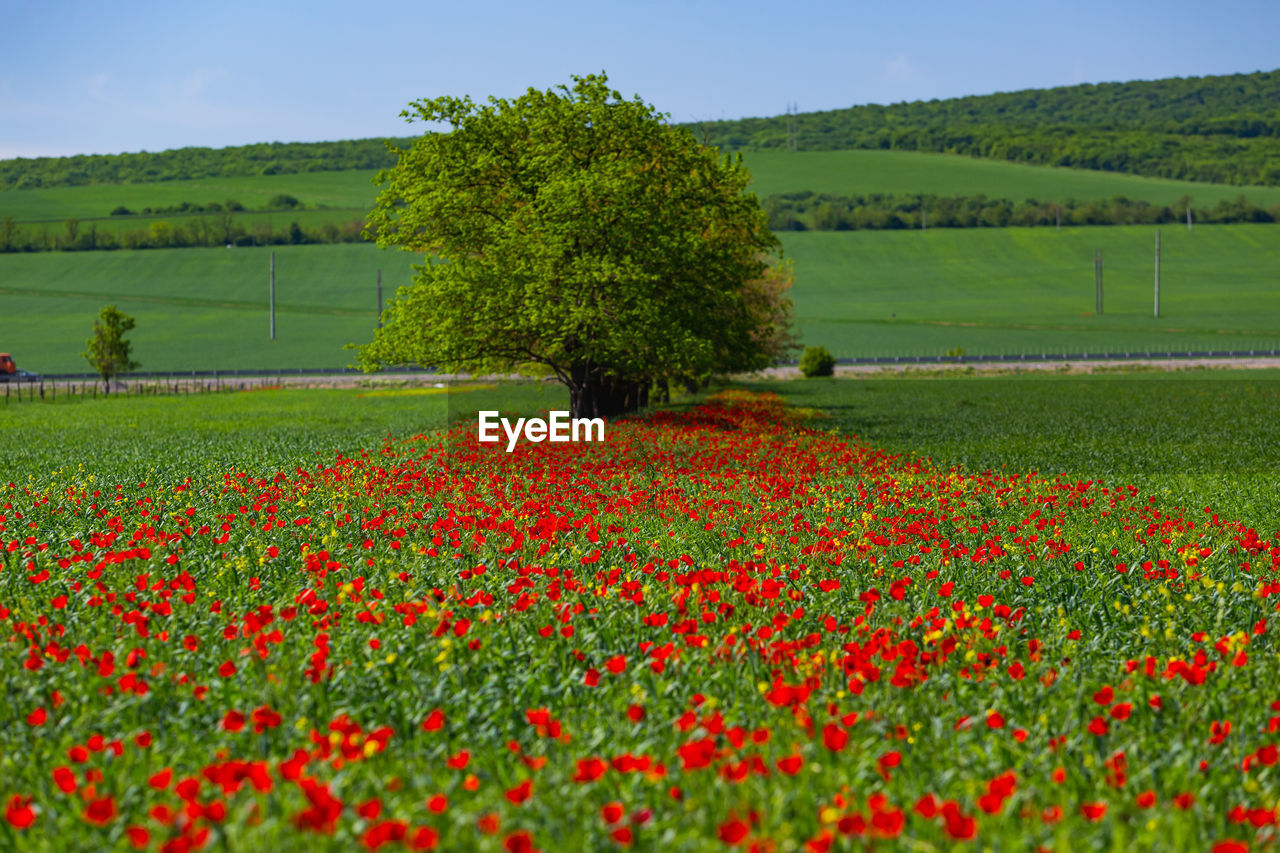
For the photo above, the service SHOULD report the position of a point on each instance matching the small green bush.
(816, 361)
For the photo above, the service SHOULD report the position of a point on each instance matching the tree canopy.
(108, 352)
(578, 231)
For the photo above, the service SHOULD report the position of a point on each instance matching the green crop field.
(198, 308)
(348, 194)
(857, 293)
(309, 621)
(898, 172)
(342, 190)
(1194, 438)
(1030, 290)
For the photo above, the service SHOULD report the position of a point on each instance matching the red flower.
(459, 760)
(425, 838)
(139, 837)
(434, 721)
(65, 779)
(233, 721)
(19, 813)
(590, 769)
(733, 831)
(790, 765)
(100, 811)
(1146, 799)
(1093, 811)
(37, 717)
(1184, 800)
(834, 738)
(227, 670)
(611, 812)
(616, 664)
(1230, 846)
(520, 793)
(1099, 726)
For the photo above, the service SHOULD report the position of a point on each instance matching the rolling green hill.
(197, 309)
(341, 197)
(858, 293)
(1223, 129)
(1217, 129)
(1020, 290)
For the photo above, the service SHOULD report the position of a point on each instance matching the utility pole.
(924, 219)
(792, 132)
(1097, 282)
(1188, 216)
(272, 294)
(379, 299)
(1157, 273)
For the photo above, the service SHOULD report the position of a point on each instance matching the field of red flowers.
(726, 628)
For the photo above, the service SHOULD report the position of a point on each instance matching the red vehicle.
(9, 371)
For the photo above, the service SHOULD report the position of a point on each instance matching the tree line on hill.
(804, 211)
(198, 231)
(280, 201)
(1224, 129)
(798, 211)
(180, 164)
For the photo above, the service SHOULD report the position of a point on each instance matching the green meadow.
(198, 308)
(1030, 290)
(340, 196)
(858, 293)
(904, 172)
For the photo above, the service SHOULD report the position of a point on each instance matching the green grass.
(1193, 439)
(539, 614)
(119, 438)
(866, 172)
(352, 189)
(198, 308)
(857, 293)
(1031, 290)
(838, 172)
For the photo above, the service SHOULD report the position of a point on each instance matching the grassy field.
(345, 190)
(857, 293)
(1195, 438)
(349, 194)
(292, 621)
(198, 308)
(118, 438)
(1031, 290)
(897, 172)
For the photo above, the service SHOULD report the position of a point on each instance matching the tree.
(109, 353)
(576, 231)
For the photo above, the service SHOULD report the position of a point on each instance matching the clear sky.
(105, 77)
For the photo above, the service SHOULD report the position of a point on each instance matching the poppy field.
(730, 626)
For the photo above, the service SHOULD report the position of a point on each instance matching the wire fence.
(50, 387)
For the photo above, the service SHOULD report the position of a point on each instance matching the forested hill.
(265, 158)
(1224, 129)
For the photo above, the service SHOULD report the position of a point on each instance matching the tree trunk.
(593, 394)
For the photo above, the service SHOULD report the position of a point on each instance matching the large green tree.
(578, 231)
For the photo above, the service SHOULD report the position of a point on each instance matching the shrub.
(817, 361)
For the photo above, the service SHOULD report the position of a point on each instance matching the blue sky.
(104, 77)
